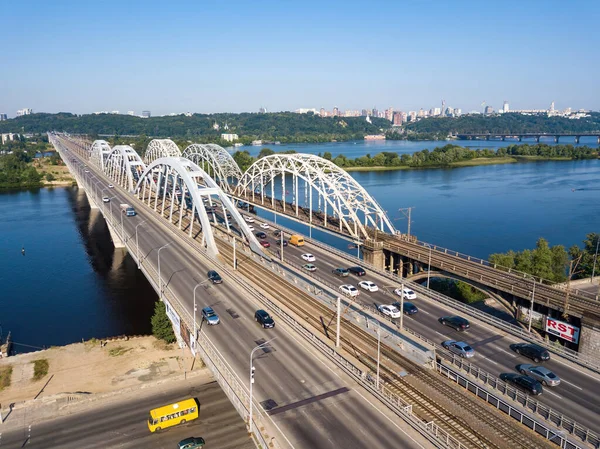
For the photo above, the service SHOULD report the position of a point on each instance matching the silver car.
(459, 347)
(539, 373)
(210, 316)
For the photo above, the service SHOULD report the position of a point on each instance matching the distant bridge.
(521, 136)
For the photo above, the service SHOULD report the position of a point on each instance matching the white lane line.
(572, 384)
(554, 394)
(425, 312)
(491, 361)
(439, 333)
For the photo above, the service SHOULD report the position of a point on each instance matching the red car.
(265, 244)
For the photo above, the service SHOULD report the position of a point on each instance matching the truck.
(127, 209)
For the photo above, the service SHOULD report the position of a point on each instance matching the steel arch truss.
(158, 148)
(99, 152)
(182, 192)
(124, 166)
(217, 162)
(353, 207)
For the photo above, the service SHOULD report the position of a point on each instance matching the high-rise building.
(457, 112)
(364, 113)
(412, 115)
(3, 117)
(397, 118)
(505, 108)
(551, 107)
(336, 111)
(437, 112)
(375, 112)
(130, 112)
(404, 117)
(262, 110)
(24, 111)
(322, 112)
(146, 114)
(421, 113)
(229, 137)
(489, 110)
(389, 114)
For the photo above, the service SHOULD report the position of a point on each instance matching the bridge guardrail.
(591, 363)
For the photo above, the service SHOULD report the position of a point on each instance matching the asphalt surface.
(122, 423)
(310, 402)
(578, 395)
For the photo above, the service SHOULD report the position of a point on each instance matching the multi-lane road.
(313, 404)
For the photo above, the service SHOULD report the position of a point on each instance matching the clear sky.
(232, 56)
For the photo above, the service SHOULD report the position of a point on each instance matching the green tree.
(265, 152)
(586, 256)
(161, 325)
(243, 159)
(506, 260)
(541, 260)
(50, 177)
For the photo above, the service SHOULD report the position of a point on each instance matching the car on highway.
(349, 290)
(368, 285)
(408, 293)
(251, 228)
(534, 352)
(285, 243)
(525, 383)
(389, 310)
(110, 186)
(87, 171)
(358, 271)
(214, 277)
(264, 244)
(261, 235)
(210, 316)
(264, 226)
(309, 267)
(459, 347)
(248, 219)
(457, 322)
(191, 443)
(264, 319)
(105, 199)
(540, 373)
(342, 272)
(308, 257)
(407, 307)
(277, 233)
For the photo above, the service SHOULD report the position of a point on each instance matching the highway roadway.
(578, 396)
(313, 404)
(122, 422)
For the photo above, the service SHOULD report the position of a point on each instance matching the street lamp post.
(532, 302)
(197, 285)
(595, 257)
(159, 278)
(111, 214)
(378, 351)
(137, 245)
(428, 264)
(252, 379)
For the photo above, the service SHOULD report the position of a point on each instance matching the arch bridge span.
(217, 161)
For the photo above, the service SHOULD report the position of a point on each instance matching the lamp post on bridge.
(195, 326)
(137, 245)
(532, 301)
(428, 264)
(262, 345)
(159, 278)
(111, 213)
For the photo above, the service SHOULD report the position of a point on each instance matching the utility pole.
(595, 257)
(571, 273)
(406, 211)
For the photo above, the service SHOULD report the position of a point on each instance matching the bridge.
(186, 210)
(521, 136)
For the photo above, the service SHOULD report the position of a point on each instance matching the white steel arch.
(217, 161)
(124, 166)
(350, 203)
(99, 152)
(158, 148)
(180, 189)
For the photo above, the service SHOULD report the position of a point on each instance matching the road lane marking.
(572, 384)
(439, 333)
(554, 394)
(491, 361)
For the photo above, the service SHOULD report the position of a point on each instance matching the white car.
(264, 226)
(389, 310)
(308, 257)
(106, 199)
(110, 186)
(349, 290)
(408, 293)
(248, 219)
(368, 285)
(251, 228)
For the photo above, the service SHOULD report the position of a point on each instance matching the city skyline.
(208, 59)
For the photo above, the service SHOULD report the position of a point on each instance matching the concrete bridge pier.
(520, 138)
(537, 139)
(373, 253)
(579, 137)
(556, 139)
(114, 236)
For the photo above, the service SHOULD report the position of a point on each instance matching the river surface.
(72, 284)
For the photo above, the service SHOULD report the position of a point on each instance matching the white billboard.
(174, 319)
(562, 330)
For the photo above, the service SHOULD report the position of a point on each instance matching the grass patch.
(162, 345)
(5, 375)
(379, 168)
(484, 161)
(40, 368)
(119, 350)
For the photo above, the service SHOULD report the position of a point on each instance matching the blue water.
(71, 283)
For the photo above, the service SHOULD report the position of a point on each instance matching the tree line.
(16, 170)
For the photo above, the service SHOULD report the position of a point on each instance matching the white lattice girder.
(340, 190)
(199, 184)
(99, 152)
(124, 165)
(158, 148)
(223, 167)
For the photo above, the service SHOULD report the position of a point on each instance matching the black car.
(261, 235)
(264, 319)
(525, 383)
(357, 271)
(408, 308)
(457, 322)
(214, 277)
(285, 243)
(534, 352)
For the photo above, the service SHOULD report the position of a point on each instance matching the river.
(72, 284)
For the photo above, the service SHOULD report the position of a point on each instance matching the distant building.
(306, 110)
(114, 112)
(375, 112)
(8, 136)
(262, 110)
(489, 110)
(420, 114)
(364, 113)
(448, 112)
(505, 107)
(389, 114)
(229, 137)
(322, 112)
(437, 112)
(351, 113)
(551, 107)
(130, 112)
(24, 111)
(3, 117)
(336, 111)
(146, 114)
(457, 112)
(398, 118)
(412, 115)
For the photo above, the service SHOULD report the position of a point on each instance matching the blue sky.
(200, 56)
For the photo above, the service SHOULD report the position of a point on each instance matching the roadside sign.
(562, 330)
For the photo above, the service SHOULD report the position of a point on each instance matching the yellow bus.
(173, 414)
